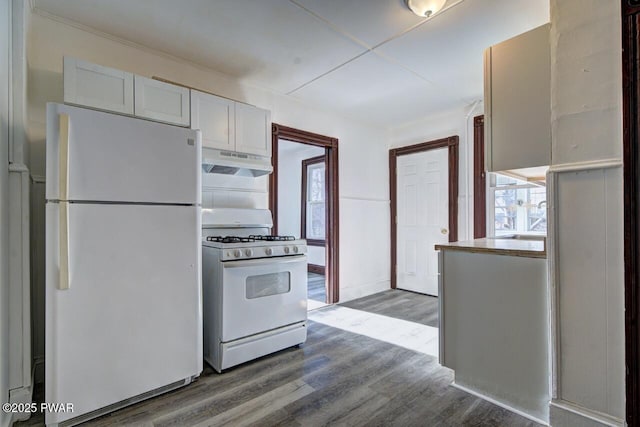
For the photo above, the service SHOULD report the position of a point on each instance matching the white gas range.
(254, 287)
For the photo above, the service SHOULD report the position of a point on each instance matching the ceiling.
(371, 60)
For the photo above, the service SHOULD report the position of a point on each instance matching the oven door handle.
(264, 261)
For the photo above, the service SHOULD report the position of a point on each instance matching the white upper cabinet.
(215, 117)
(105, 88)
(517, 102)
(161, 101)
(225, 124)
(98, 87)
(231, 125)
(253, 130)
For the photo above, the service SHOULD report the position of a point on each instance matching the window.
(314, 200)
(518, 206)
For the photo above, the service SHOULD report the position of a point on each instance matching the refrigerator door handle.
(63, 184)
(63, 156)
(63, 239)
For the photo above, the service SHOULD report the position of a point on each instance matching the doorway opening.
(430, 175)
(303, 197)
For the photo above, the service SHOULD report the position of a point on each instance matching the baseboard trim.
(500, 404)
(315, 268)
(585, 413)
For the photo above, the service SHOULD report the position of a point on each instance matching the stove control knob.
(248, 252)
(295, 249)
(286, 249)
(269, 251)
(237, 253)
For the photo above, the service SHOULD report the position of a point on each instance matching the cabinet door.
(518, 102)
(215, 117)
(161, 101)
(253, 130)
(98, 87)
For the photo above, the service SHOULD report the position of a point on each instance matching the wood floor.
(335, 378)
(316, 287)
(403, 305)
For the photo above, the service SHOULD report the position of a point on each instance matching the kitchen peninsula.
(494, 324)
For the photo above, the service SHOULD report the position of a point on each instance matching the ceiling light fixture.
(425, 8)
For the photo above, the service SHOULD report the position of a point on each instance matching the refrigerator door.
(97, 156)
(131, 318)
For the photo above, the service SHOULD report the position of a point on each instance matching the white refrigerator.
(123, 254)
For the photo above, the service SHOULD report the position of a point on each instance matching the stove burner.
(273, 238)
(230, 239)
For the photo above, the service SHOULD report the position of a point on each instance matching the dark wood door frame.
(332, 235)
(452, 143)
(631, 160)
(479, 180)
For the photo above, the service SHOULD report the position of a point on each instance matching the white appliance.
(254, 287)
(123, 254)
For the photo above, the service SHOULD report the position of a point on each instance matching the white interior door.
(423, 218)
(131, 318)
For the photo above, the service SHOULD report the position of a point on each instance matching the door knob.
(444, 231)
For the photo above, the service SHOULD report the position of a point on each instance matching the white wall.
(449, 123)
(290, 157)
(4, 201)
(586, 236)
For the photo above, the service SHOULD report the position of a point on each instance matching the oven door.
(259, 295)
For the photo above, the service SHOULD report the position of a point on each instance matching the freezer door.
(131, 318)
(98, 156)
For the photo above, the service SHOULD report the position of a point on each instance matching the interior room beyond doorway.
(302, 208)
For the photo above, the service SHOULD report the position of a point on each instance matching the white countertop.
(535, 248)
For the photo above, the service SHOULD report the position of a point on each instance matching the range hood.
(233, 163)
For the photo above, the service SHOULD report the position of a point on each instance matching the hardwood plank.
(258, 408)
(400, 304)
